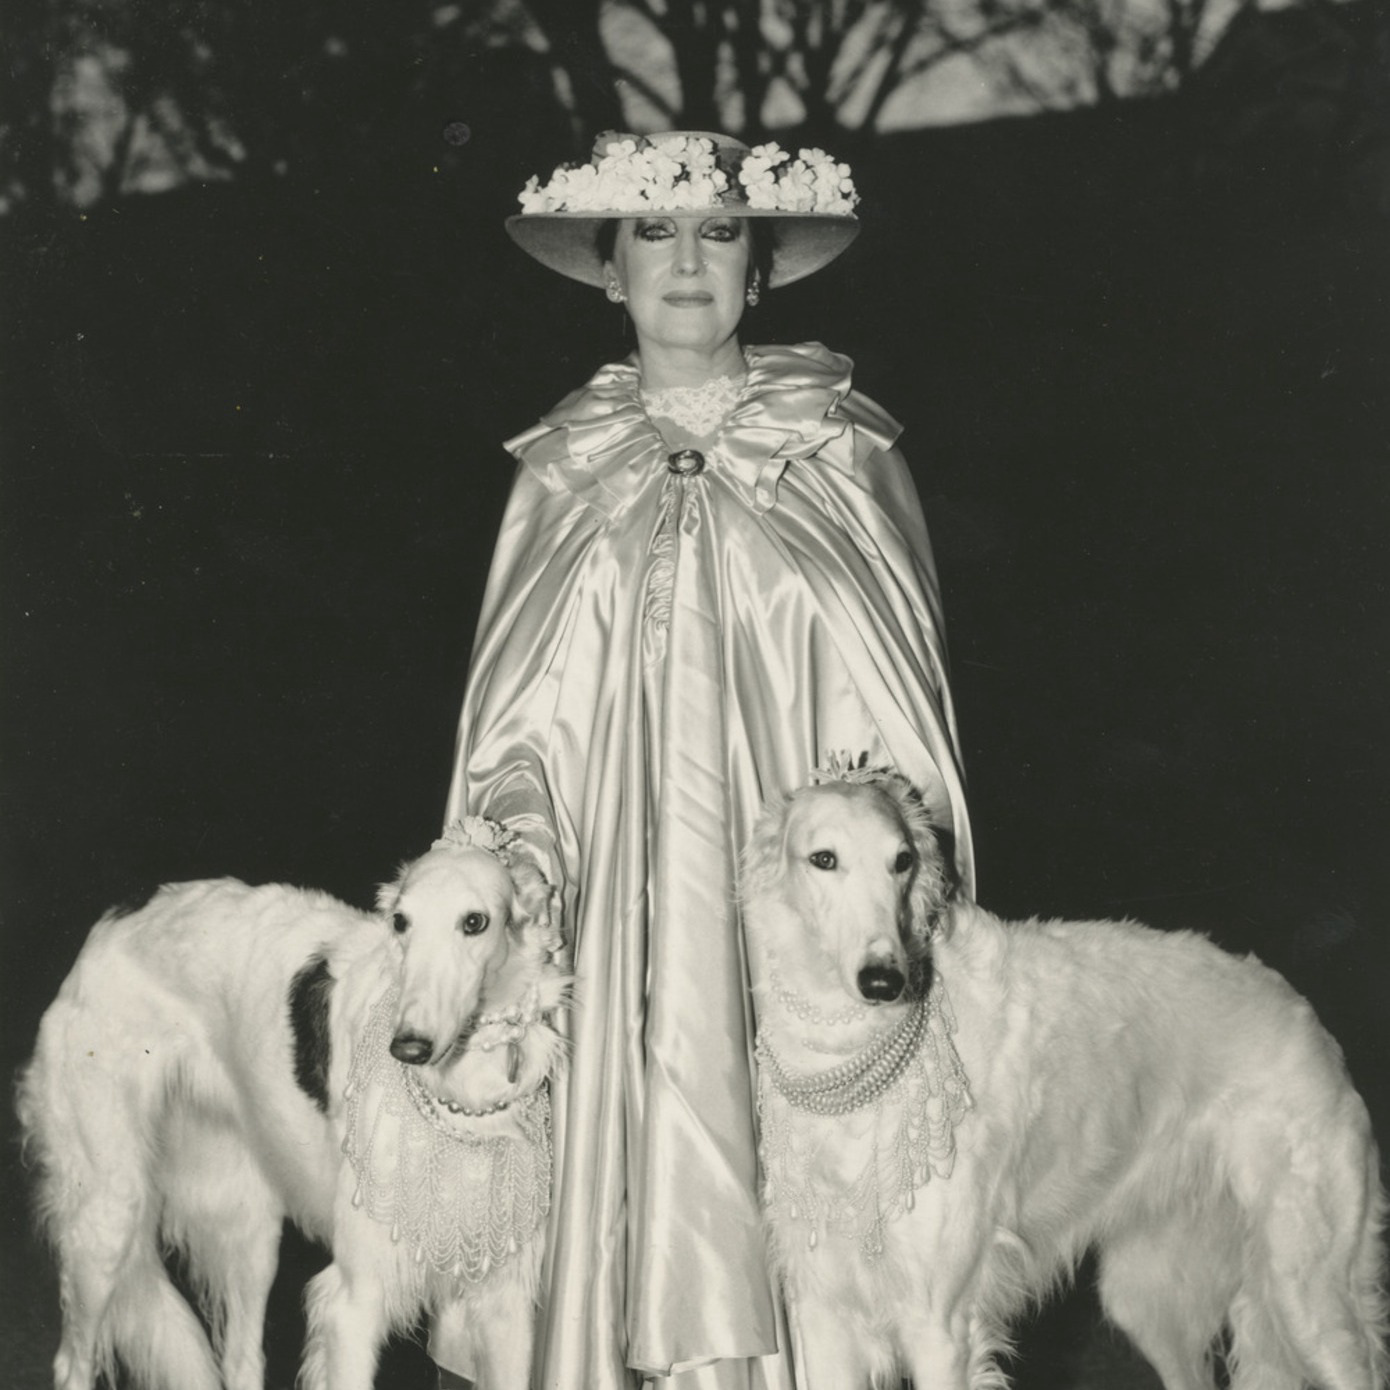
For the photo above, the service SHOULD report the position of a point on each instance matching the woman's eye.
(823, 859)
(904, 861)
(399, 922)
(474, 922)
(654, 231)
(720, 231)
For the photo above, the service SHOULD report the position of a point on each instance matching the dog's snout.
(881, 984)
(411, 1049)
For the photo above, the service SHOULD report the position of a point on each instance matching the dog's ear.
(760, 867)
(388, 894)
(535, 904)
(938, 878)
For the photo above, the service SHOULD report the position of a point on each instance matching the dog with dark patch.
(228, 1057)
(956, 1108)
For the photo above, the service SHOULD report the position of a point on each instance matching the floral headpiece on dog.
(844, 766)
(481, 832)
(683, 173)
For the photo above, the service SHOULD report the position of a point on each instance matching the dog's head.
(850, 876)
(472, 928)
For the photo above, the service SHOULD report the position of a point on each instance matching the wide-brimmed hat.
(685, 173)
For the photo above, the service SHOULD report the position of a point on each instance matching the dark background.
(252, 471)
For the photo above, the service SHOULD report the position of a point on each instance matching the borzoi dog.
(955, 1109)
(228, 1056)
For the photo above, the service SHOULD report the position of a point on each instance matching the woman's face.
(684, 278)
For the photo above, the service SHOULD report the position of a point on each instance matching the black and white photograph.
(694, 694)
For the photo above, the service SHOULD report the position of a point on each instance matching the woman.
(713, 573)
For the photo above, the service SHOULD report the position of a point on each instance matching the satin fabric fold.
(798, 616)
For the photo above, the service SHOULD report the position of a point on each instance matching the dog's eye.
(399, 922)
(905, 860)
(472, 923)
(823, 858)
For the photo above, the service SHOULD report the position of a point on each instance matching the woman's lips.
(688, 299)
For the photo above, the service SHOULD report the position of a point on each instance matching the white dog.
(227, 1057)
(956, 1108)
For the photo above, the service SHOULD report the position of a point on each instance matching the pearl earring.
(614, 292)
(754, 291)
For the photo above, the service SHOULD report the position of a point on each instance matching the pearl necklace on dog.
(511, 1024)
(854, 1083)
(462, 1202)
(802, 1008)
(910, 1079)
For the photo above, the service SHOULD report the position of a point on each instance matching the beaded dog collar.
(461, 1201)
(912, 1084)
(854, 1083)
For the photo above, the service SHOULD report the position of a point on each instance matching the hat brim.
(567, 241)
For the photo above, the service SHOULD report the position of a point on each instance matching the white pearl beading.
(800, 1007)
(515, 1020)
(911, 1081)
(856, 1082)
(504, 1028)
(430, 1105)
(462, 1202)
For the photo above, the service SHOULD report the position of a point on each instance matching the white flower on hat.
(834, 188)
(681, 173)
(533, 198)
(757, 176)
(813, 182)
(617, 184)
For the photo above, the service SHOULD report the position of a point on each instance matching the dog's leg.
(94, 1193)
(87, 1276)
(828, 1355)
(503, 1317)
(946, 1359)
(247, 1284)
(1334, 1353)
(1257, 1359)
(1312, 1306)
(1304, 1325)
(1317, 1341)
(346, 1327)
(248, 1291)
(144, 1320)
(1168, 1288)
(227, 1218)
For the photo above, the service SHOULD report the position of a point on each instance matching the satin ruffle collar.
(599, 443)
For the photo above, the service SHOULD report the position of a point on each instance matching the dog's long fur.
(1137, 1092)
(187, 1095)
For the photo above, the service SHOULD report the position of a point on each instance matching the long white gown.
(657, 656)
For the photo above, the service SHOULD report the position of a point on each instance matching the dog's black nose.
(411, 1049)
(881, 984)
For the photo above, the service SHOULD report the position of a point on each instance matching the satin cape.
(658, 656)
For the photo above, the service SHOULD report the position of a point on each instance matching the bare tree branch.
(1184, 21)
(316, 83)
(627, 77)
(576, 45)
(693, 29)
(954, 45)
(751, 68)
(892, 75)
